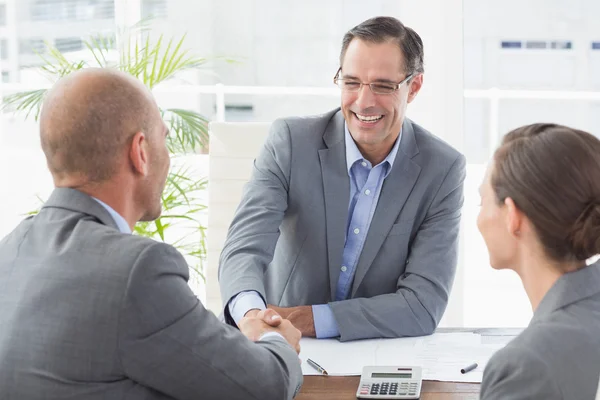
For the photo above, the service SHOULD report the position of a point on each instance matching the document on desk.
(441, 355)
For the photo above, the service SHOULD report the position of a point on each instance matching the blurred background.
(490, 66)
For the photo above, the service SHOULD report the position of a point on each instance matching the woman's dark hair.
(552, 173)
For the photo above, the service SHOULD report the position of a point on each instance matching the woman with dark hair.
(540, 216)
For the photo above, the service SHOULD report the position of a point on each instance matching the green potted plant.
(153, 62)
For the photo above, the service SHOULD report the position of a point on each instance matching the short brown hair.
(552, 173)
(381, 29)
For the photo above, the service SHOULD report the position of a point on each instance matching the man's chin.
(367, 137)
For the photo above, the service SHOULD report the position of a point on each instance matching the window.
(65, 45)
(154, 8)
(32, 46)
(5, 76)
(71, 10)
(2, 14)
(240, 113)
(3, 49)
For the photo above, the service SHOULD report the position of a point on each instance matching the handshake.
(256, 323)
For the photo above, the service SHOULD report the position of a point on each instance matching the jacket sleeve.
(169, 342)
(254, 231)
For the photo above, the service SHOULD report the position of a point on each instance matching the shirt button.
(344, 268)
(367, 192)
(356, 231)
(364, 164)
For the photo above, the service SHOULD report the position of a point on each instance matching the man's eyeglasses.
(353, 85)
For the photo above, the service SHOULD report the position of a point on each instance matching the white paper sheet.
(441, 355)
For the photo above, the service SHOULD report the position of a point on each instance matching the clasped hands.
(289, 322)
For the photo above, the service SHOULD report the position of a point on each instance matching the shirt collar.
(353, 154)
(119, 220)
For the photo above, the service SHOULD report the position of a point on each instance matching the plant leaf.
(29, 102)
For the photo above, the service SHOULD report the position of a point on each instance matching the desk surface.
(344, 388)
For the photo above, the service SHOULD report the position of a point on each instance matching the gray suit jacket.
(89, 313)
(558, 355)
(287, 237)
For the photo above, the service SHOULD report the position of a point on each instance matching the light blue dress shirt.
(119, 220)
(366, 182)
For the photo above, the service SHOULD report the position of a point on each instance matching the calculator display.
(391, 375)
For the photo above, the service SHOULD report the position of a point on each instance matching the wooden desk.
(344, 388)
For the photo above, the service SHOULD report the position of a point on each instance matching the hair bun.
(584, 238)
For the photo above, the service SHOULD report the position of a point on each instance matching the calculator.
(402, 383)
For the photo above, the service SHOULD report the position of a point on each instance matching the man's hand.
(271, 317)
(301, 317)
(255, 327)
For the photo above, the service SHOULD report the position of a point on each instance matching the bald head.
(88, 118)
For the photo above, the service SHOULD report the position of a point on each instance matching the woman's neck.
(538, 275)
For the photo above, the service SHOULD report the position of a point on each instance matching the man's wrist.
(241, 303)
(252, 312)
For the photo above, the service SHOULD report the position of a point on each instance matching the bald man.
(89, 311)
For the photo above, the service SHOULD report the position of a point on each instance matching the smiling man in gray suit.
(349, 225)
(89, 311)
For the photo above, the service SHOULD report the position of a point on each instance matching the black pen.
(316, 366)
(469, 368)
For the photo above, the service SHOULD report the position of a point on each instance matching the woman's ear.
(514, 217)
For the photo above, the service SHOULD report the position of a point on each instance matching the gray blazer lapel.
(570, 288)
(336, 186)
(394, 193)
(74, 200)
